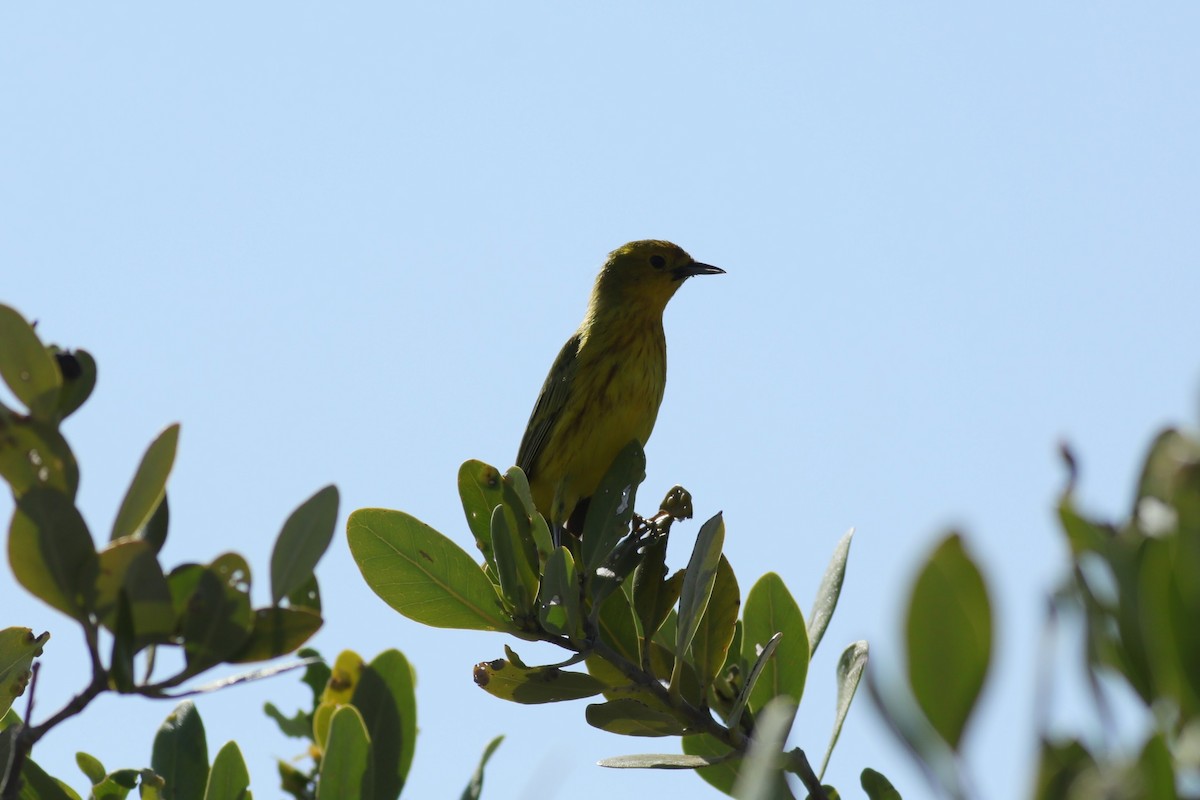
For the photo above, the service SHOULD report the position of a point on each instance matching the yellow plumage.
(605, 387)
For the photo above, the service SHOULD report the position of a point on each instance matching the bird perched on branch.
(605, 387)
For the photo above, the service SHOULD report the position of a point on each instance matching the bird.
(605, 387)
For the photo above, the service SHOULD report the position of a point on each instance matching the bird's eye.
(657, 261)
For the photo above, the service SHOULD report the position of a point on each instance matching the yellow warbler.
(605, 387)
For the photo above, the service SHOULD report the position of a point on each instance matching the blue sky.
(343, 244)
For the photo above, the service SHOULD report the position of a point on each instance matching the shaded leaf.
(303, 540)
(877, 787)
(130, 566)
(480, 488)
(711, 643)
(558, 605)
(631, 717)
(78, 370)
(698, 584)
(275, 632)
(385, 697)
(33, 454)
(51, 552)
(611, 508)
(724, 771)
(180, 754)
(761, 775)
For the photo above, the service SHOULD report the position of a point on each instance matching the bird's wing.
(549, 406)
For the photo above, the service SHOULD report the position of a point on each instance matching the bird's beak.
(695, 268)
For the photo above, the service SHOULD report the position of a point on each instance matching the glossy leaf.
(475, 787)
(534, 685)
(829, 591)
(33, 454)
(275, 632)
(51, 552)
(481, 490)
(558, 605)
(770, 609)
(18, 648)
(698, 584)
(630, 717)
(385, 697)
(148, 486)
(715, 632)
(611, 508)
(228, 779)
(761, 775)
(344, 762)
(422, 574)
(850, 669)
(949, 631)
(27, 366)
(180, 754)
(304, 539)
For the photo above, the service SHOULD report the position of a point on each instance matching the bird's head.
(646, 273)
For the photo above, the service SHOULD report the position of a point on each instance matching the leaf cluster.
(666, 654)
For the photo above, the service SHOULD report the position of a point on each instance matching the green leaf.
(120, 670)
(51, 552)
(422, 574)
(877, 787)
(155, 532)
(344, 763)
(33, 454)
(761, 775)
(829, 591)
(27, 366)
(518, 580)
(650, 584)
(130, 566)
(78, 370)
(711, 643)
(1157, 773)
(304, 539)
(723, 773)
(229, 779)
(475, 786)
(276, 631)
(534, 685)
(481, 490)
(765, 655)
(297, 726)
(385, 696)
(216, 619)
(770, 609)
(148, 486)
(630, 717)
(558, 605)
(611, 508)
(697, 586)
(18, 648)
(949, 632)
(38, 785)
(91, 767)
(180, 754)
(849, 673)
